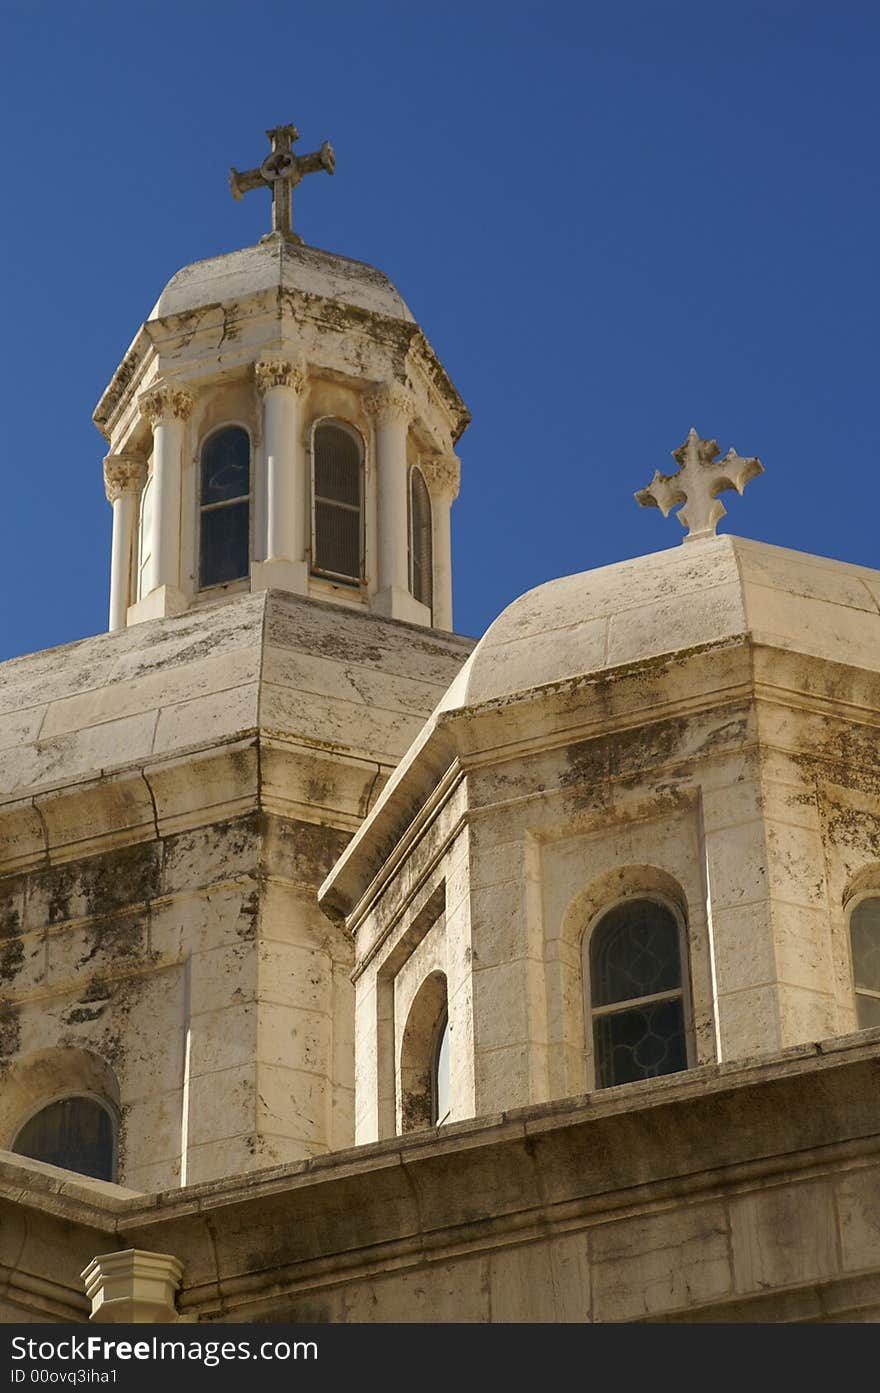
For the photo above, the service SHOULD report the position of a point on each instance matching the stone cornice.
(442, 474)
(270, 373)
(165, 401)
(123, 382)
(624, 1156)
(389, 403)
(123, 474)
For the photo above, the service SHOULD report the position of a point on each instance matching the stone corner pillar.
(281, 383)
(124, 479)
(390, 407)
(442, 474)
(167, 406)
(133, 1286)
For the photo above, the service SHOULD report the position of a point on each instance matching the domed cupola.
(280, 420)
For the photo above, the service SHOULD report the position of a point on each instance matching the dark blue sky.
(612, 221)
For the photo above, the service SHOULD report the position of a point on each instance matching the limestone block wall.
(419, 929)
(736, 784)
(171, 797)
(729, 1193)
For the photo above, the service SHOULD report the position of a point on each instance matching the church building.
(354, 970)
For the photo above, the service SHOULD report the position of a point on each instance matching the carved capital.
(442, 475)
(389, 403)
(165, 401)
(123, 474)
(279, 372)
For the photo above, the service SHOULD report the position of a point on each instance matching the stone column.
(167, 408)
(133, 1286)
(124, 478)
(443, 476)
(281, 384)
(391, 409)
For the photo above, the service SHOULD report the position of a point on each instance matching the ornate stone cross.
(282, 170)
(697, 482)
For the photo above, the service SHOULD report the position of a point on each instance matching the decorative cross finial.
(697, 482)
(282, 170)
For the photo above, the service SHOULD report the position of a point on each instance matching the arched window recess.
(421, 540)
(440, 1098)
(77, 1132)
(864, 935)
(224, 507)
(636, 993)
(337, 502)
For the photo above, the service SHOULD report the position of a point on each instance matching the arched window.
(225, 507)
(337, 502)
(423, 1077)
(636, 1002)
(145, 542)
(864, 933)
(421, 543)
(76, 1133)
(440, 1072)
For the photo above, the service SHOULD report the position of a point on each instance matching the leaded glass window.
(225, 507)
(337, 509)
(864, 930)
(421, 542)
(76, 1133)
(636, 1004)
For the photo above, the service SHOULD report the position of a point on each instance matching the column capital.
(272, 372)
(123, 474)
(133, 1285)
(164, 402)
(388, 403)
(442, 475)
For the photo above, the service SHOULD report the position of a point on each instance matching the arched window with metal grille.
(864, 935)
(337, 502)
(78, 1133)
(636, 992)
(224, 507)
(421, 542)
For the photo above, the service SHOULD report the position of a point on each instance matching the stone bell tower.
(281, 471)
(313, 358)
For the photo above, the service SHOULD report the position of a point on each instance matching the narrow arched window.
(76, 1133)
(864, 932)
(337, 502)
(440, 1072)
(225, 507)
(423, 1077)
(421, 543)
(145, 542)
(633, 962)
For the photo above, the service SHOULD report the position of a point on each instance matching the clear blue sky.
(612, 221)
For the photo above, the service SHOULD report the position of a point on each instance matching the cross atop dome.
(697, 482)
(282, 170)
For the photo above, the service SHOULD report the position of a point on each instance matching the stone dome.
(672, 601)
(279, 265)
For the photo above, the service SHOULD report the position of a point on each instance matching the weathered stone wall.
(174, 796)
(729, 1193)
(733, 779)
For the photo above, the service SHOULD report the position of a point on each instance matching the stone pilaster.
(124, 478)
(442, 474)
(281, 383)
(391, 410)
(167, 406)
